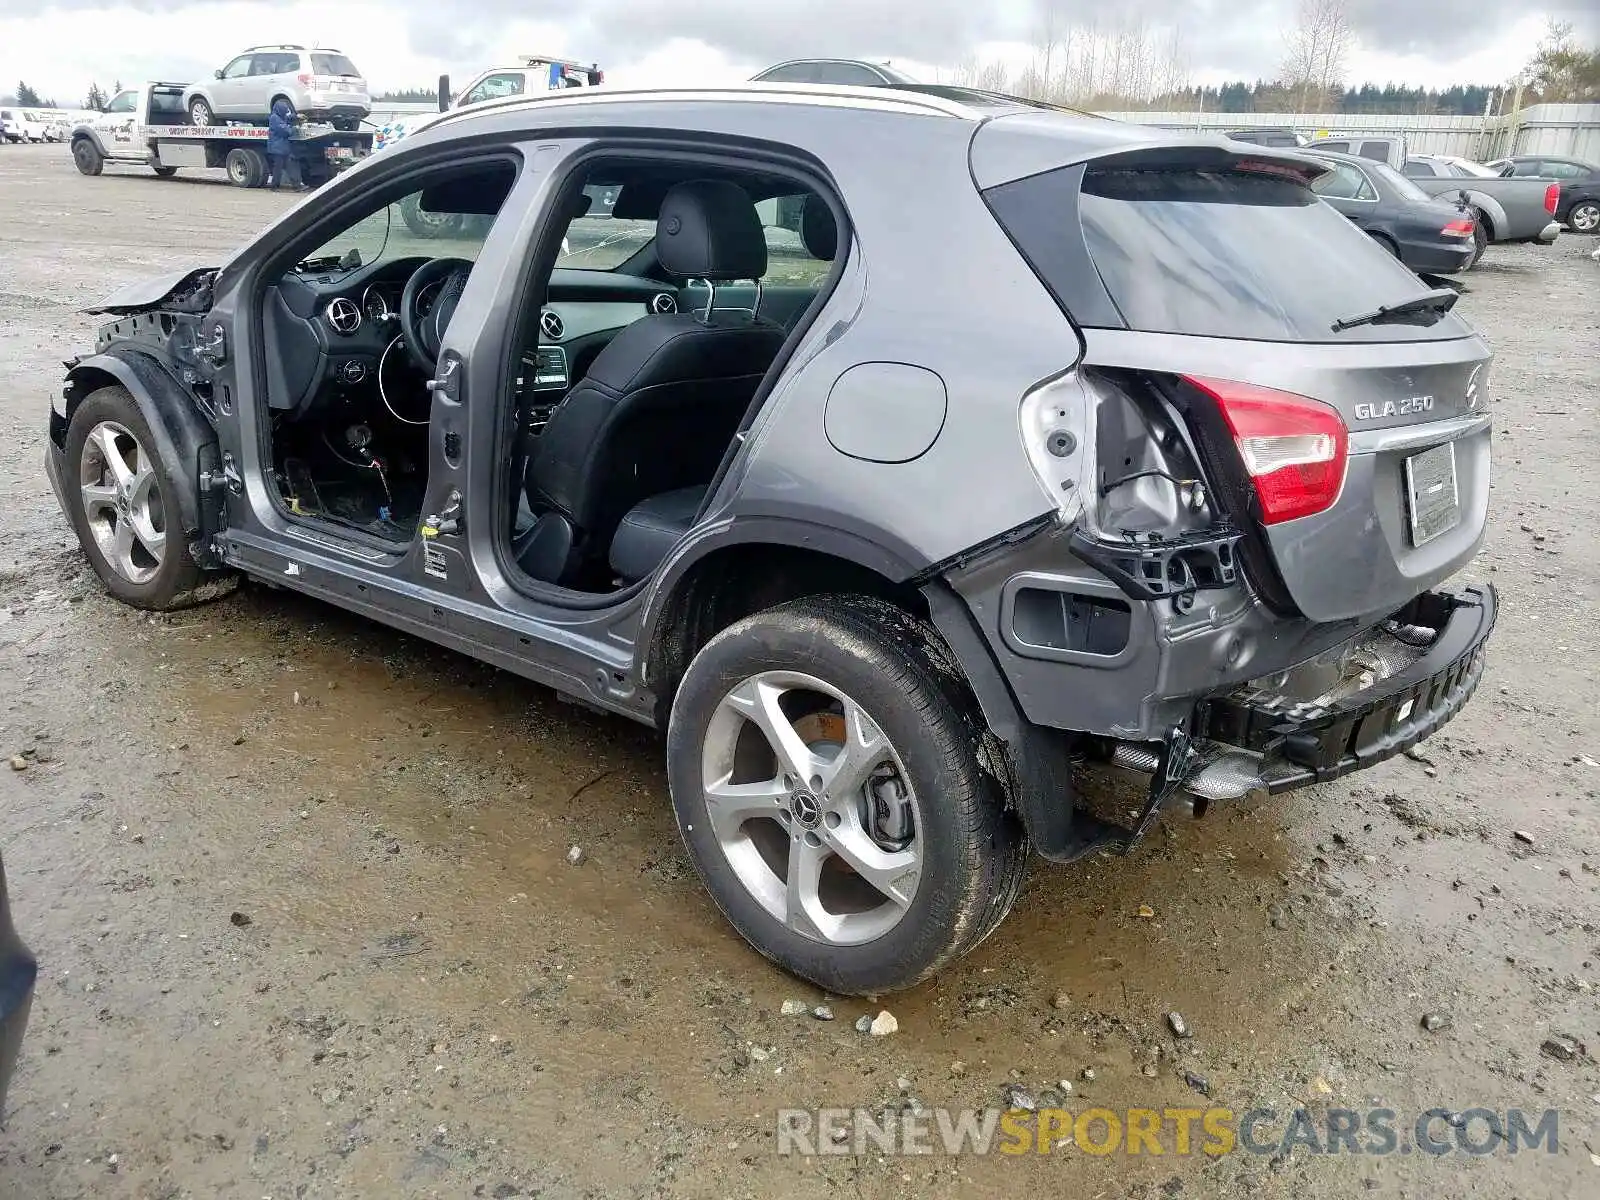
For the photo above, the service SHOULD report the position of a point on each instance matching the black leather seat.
(651, 529)
(659, 406)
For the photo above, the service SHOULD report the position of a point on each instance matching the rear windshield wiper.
(1426, 309)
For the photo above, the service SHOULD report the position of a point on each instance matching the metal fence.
(1567, 130)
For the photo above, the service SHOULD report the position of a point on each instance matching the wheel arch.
(761, 564)
(87, 134)
(1490, 213)
(185, 441)
(748, 566)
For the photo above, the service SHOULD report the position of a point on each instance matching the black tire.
(165, 172)
(429, 225)
(972, 850)
(87, 157)
(178, 582)
(1480, 241)
(200, 112)
(246, 167)
(1584, 217)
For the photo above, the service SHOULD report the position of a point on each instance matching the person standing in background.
(280, 160)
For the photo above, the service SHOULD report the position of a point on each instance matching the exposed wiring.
(374, 463)
(1107, 488)
(383, 392)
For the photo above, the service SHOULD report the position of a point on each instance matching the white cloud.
(59, 46)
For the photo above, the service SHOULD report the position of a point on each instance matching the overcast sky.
(59, 46)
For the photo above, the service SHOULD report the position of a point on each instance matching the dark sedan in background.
(1578, 202)
(1424, 233)
(18, 971)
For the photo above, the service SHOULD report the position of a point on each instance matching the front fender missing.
(185, 442)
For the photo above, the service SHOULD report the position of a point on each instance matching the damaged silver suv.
(1117, 445)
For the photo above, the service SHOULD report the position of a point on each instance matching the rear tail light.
(1295, 449)
(1552, 198)
(305, 80)
(1460, 227)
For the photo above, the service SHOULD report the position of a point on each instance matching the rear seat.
(651, 529)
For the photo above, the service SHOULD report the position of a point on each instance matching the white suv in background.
(320, 84)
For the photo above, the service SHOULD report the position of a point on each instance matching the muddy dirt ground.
(300, 891)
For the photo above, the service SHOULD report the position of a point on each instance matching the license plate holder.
(1433, 499)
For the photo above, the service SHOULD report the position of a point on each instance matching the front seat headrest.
(818, 230)
(708, 229)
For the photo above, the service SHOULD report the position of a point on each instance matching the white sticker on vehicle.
(434, 562)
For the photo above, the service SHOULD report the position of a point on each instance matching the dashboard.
(330, 331)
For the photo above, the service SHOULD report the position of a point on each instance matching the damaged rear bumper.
(1301, 743)
(1412, 674)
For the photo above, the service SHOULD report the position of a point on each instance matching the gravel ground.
(300, 885)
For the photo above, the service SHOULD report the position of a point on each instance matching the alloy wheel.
(1586, 218)
(122, 502)
(812, 808)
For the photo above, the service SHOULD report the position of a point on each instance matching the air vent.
(552, 325)
(663, 302)
(344, 316)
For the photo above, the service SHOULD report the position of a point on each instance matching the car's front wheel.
(87, 157)
(122, 502)
(835, 786)
(1585, 217)
(200, 112)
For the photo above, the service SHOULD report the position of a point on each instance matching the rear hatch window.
(332, 64)
(1235, 251)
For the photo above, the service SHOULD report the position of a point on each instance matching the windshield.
(404, 230)
(1471, 169)
(599, 241)
(332, 64)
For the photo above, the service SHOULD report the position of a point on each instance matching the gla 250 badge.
(1410, 406)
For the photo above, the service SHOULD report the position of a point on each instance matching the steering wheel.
(424, 332)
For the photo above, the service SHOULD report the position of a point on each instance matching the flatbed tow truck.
(147, 125)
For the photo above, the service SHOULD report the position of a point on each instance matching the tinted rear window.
(1226, 253)
(332, 64)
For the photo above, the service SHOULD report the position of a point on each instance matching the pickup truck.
(532, 74)
(148, 125)
(1505, 210)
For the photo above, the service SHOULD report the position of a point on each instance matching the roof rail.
(887, 98)
(274, 46)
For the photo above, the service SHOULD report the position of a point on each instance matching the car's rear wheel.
(245, 167)
(122, 501)
(1480, 242)
(200, 112)
(1585, 217)
(166, 172)
(427, 224)
(86, 157)
(833, 783)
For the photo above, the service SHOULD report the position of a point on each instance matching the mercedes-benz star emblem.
(807, 811)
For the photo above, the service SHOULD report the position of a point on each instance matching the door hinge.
(448, 519)
(228, 478)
